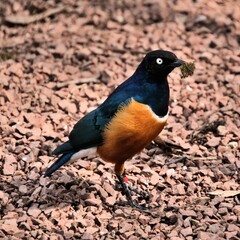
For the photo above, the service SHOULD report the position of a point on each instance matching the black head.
(161, 62)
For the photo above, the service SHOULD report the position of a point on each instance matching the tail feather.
(61, 161)
(63, 148)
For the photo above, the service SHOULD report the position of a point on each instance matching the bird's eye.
(159, 61)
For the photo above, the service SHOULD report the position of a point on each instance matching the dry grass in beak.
(187, 69)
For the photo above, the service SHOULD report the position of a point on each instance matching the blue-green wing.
(88, 131)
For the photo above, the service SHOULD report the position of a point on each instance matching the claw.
(166, 145)
(133, 204)
(126, 190)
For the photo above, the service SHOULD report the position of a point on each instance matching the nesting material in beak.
(187, 69)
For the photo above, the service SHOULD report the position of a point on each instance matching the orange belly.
(131, 129)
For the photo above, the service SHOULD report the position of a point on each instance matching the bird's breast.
(132, 128)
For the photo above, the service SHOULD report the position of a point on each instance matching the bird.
(126, 122)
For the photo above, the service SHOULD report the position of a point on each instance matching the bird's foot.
(127, 190)
(133, 204)
(165, 145)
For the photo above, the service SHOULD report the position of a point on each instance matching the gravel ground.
(56, 66)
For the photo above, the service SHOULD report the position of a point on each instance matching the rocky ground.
(61, 59)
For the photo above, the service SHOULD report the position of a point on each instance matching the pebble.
(43, 71)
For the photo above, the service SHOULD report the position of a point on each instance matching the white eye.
(159, 61)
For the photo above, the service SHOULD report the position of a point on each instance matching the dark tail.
(56, 165)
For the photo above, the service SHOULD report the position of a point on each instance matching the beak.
(177, 63)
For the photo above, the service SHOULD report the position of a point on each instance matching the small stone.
(91, 230)
(233, 227)
(143, 219)
(69, 234)
(60, 48)
(236, 210)
(126, 227)
(216, 60)
(235, 69)
(223, 211)
(34, 210)
(172, 238)
(23, 189)
(93, 202)
(227, 205)
(108, 188)
(170, 172)
(217, 200)
(87, 236)
(214, 228)
(178, 110)
(230, 157)
(214, 141)
(22, 130)
(208, 212)
(82, 222)
(232, 235)
(179, 189)
(3, 197)
(206, 235)
(154, 179)
(111, 200)
(10, 226)
(9, 165)
(102, 192)
(233, 144)
(222, 130)
(186, 231)
(189, 213)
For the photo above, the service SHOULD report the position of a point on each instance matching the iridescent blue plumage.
(148, 85)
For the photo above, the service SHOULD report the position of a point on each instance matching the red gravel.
(56, 69)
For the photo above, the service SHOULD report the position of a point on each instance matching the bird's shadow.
(58, 191)
(72, 192)
(75, 191)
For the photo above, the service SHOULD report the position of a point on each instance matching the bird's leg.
(120, 172)
(143, 194)
(127, 193)
(166, 145)
(125, 189)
